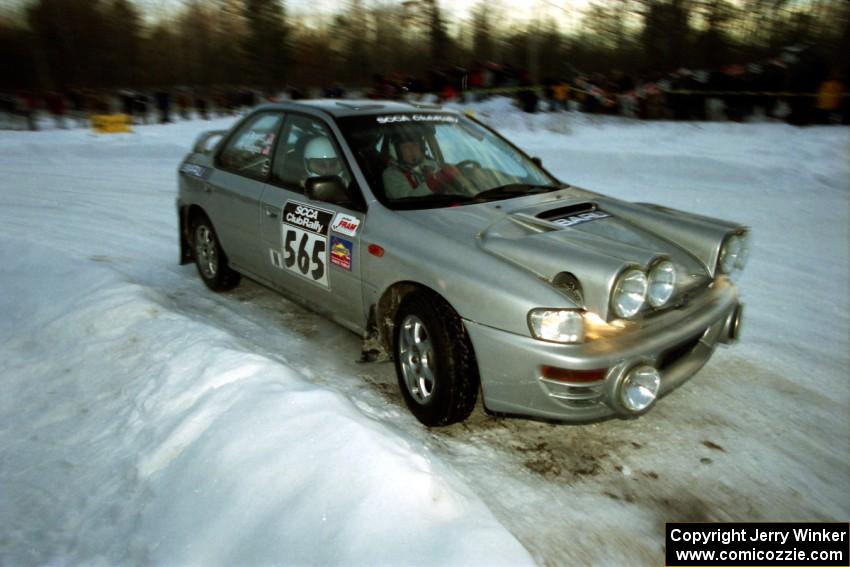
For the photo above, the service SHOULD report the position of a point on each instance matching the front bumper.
(678, 343)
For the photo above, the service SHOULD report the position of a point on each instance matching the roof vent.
(361, 106)
(426, 105)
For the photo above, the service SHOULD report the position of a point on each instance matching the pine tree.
(666, 33)
(357, 58)
(124, 27)
(482, 30)
(437, 34)
(266, 43)
(71, 36)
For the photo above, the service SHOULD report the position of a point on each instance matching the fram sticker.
(583, 217)
(341, 252)
(345, 224)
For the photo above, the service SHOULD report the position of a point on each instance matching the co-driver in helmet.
(320, 158)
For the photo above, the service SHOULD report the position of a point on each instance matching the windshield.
(426, 160)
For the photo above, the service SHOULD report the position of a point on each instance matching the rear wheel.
(210, 258)
(435, 364)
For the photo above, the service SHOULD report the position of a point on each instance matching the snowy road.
(122, 418)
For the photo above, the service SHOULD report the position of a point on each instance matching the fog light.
(640, 388)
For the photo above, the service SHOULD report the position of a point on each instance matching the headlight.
(640, 388)
(557, 325)
(662, 283)
(733, 253)
(629, 293)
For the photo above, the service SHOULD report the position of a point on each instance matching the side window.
(249, 151)
(307, 149)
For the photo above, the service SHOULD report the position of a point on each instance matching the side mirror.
(329, 189)
(537, 161)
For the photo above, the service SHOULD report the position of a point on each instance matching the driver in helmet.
(411, 173)
(320, 158)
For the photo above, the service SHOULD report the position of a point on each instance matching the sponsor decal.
(341, 250)
(309, 218)
(345, 224)
(394, 118)
(267, 145)
(256, 142)
(305, 241)
(194, 170)
(573, 220)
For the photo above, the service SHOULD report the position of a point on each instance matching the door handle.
(208, 188)
(271, 212)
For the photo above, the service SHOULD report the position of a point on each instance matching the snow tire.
(435, 363)
(210, 259)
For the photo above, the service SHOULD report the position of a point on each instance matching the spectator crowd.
(793, 87)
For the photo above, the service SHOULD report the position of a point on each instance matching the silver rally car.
(450, 250)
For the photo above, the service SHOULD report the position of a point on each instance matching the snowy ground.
(146, 420)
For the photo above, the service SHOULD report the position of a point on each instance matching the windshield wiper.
(514, 190)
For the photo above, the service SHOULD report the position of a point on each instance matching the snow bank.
(130, 433)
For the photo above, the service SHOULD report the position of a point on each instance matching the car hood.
(567, 235)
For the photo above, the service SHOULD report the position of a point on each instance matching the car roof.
(339, 108)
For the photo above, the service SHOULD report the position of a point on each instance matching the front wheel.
(210, 258)
(435, 364)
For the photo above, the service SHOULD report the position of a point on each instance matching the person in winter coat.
(56, 106)
(409, 173)
(413, 174)
(828, 101)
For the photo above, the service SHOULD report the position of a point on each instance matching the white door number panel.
(305, 241)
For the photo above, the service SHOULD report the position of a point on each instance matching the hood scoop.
(526, 223)
(572, 215)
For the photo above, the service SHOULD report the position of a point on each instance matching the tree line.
(67, 44)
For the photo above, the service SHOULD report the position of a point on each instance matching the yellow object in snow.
(110, 123)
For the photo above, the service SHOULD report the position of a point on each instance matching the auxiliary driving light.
(629, 293)
(639, 388)
(733, 253)
(662, 282)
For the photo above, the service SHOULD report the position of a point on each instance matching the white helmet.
(320, 158)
